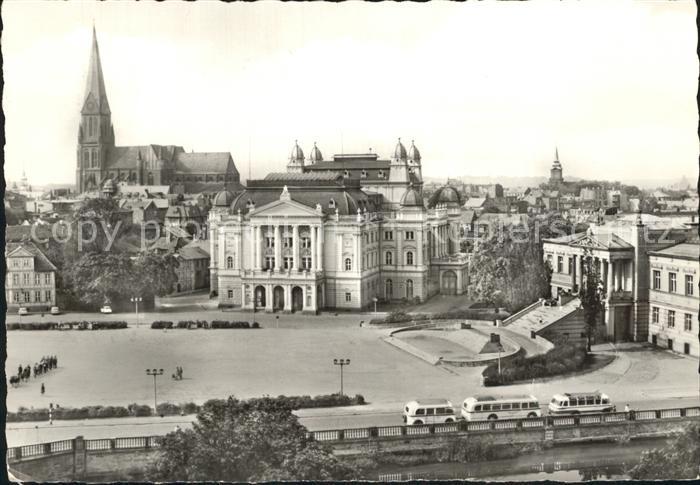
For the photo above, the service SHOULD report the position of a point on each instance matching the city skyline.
(622, 96)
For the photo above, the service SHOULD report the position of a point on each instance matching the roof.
(212, 187)
(41, 262)
(177, 232)
(192, 252)
(600, 240)
(296, 177)
(95, 90)
(183, 211)
(474, 202)
(20, 233)
(432, 402)
(203, 162)
(143, 190)
(468, 216)
(411, 198)
(682, 251)
(445, 195)
(339, 165)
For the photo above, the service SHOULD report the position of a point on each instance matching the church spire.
(556, 154)
(95, 92)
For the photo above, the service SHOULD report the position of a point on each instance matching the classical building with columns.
(620, 249)
(301, 241)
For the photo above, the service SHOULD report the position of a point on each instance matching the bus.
(489, 408)
(580, 402)
(429, 411)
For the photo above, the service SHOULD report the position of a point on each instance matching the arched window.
(348, 264)
(409, 289)
(381, 174)
(388, 289)
(86, 159)
(331, 203)
(409, 258)
(364, 174)
(346, 174)
(229, 262)
(150, 178)
(389, 258)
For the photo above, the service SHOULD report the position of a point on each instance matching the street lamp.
(375, 304)
(500, 349)
(155, 373)
(135, 300)
(342, 363)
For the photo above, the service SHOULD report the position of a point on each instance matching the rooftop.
(683, 251)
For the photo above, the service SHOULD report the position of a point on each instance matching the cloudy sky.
(484, 89)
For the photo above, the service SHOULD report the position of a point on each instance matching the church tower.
(296, 160)
(556, 175)
(95, 134)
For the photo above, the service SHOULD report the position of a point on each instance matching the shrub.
(12, 326)
(227, 324)
(159, 324)
(255, 325)
(168, 409)
(565, 357)
(140, 410)
(108, 325)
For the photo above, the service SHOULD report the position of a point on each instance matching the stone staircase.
(538, 317)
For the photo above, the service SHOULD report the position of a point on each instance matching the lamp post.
(375, 304)
(135, 300)
(500, 349)
(342, 363)
(155, 373)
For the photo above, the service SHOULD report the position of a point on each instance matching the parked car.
(106, 309)
(55, 310)
(23, 311)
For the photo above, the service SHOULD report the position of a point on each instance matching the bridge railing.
(33, 451)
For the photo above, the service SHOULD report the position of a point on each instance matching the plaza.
(293, 355)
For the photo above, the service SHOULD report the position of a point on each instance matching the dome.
(400, 151)
(412, 198)
(413, 153)
(297, 153)
(223, 199)
(315, 155)
(445, 195)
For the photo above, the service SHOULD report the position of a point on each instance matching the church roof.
(203, 162)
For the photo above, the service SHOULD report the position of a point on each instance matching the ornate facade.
(311, 239)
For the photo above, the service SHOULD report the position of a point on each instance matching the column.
(314, 303)
(295, 247)
(314, 252)
(287, 298)
(257, 259)
(320, 249)
(419, 248)
(278, 248)
(339, 251)
(580, 273)
(357, 259)
(608, 278)
(222, 249)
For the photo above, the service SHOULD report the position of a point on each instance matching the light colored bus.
(489, 408)
(429, 411)
(580, 402)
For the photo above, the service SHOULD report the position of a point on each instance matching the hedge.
(170, 409)
(160, 324)
(565, 357)
(466, 314)
(84, 325)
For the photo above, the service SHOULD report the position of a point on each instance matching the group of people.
(178, 373)
(42, 367)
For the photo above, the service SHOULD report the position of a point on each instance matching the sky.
(484, 89)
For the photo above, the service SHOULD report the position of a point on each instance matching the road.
(314, 419)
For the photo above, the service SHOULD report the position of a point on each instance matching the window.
(420, 411)
(348, 264)
(269, 242)
(25, 262)
(269, 262)
(37, 279)
(516, 405)
(388, 289)
(409, 258)
(672, 282)
(656, 284)
(560, 264)
(409, 235)
(381, 174)
(688, 322)
(37, 296)
(506, 407)
(15, 279)
(388, 258)
(364, 174)
(287, 242)
(47, 295)
(409, 289)
(331, 203)
(306, 242)
(346, 174)
(230, 293)
(288, 262)
(655, 314)
(571, 265)
(25, 295)
(47, 278)
(229, 262)
(306, 262)
(388, 235)
(15, 297)
(686, 348)
(671, 318)
(689, 285)
(25, 278)
(348, 297)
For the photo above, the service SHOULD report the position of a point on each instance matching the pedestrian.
(627, 408)
(43, 389)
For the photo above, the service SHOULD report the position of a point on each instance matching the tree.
(240, 441)
(678, 460)
(592, 295)
(507, 268)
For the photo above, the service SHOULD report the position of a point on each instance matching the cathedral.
(100, 161)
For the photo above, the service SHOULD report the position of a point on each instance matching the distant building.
(674, 298)
(31, 277)
(618, 199)
(193, 269)
(556, 173)
(99, 160)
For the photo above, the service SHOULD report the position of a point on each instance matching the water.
(566, 463)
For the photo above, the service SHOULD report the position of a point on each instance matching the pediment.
(588, 242)
(284, 208)
(20, 252)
